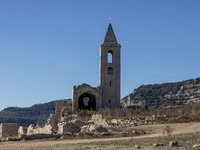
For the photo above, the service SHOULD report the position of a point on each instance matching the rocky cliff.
(164, 95)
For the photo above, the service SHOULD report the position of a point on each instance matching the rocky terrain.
(76, 128)
(164, 95)
(149, 96)
(184, 136)
(117, 133)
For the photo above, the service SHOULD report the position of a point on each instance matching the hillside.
(155, 96)
(166, 94)
(29, 115)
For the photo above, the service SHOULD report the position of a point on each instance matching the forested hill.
(38, 113)
(166, 94)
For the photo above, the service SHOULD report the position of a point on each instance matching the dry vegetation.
(187, 134)
(191, 112)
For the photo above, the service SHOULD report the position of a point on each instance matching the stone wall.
(64, 128)
(47, 129)
(60, 104)
(8, 129)
(86, 89)
(22, 131)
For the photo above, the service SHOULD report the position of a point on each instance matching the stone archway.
(87, 101)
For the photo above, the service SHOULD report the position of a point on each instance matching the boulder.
(173, 143)
(93, 128)
(68, 127)
(89, 128)
(196, 145)
(101, 129)
(137, 146)
(136, 133)
(98, 120)
(114, 121)
(159, 144)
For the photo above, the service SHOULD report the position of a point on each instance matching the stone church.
(107, 93)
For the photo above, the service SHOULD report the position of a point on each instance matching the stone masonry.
(107, 93)
(110, 71)
(8, 129)
(60, 104)
(95, 95)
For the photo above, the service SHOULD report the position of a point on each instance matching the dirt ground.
(153, 131)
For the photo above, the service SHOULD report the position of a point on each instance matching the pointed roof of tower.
(110, 38)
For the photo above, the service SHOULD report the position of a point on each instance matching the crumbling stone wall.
(49, 128)
(86, 89)
(22, 131)
(60, 104)
(8, 129)
(52, 121)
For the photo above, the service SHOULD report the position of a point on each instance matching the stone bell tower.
(110, 70)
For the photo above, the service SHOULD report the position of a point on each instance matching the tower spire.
(110, 38)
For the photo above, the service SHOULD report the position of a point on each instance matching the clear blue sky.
(47, 46)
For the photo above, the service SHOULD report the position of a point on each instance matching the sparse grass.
(184, 140)
(190, 113)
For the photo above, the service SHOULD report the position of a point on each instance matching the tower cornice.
(103, 45)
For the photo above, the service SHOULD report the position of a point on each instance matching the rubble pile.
(96, 127)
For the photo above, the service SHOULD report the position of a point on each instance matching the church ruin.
(107, 93)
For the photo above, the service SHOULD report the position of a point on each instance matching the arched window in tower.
(110, 56)
(110, 70)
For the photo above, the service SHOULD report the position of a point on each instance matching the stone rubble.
(97, 126)
(196, 145)
(98, 120)
(68, 127)
(173, 143)
(159, 144)
(137, 146)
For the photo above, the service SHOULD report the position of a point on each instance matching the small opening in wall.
(110, 56)
(110, 83)
(65, 103)
(110, 70)
(109, 100)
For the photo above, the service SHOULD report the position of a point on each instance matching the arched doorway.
(87, 101)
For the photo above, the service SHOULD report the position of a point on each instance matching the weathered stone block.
(8, 129)
(68, 127)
